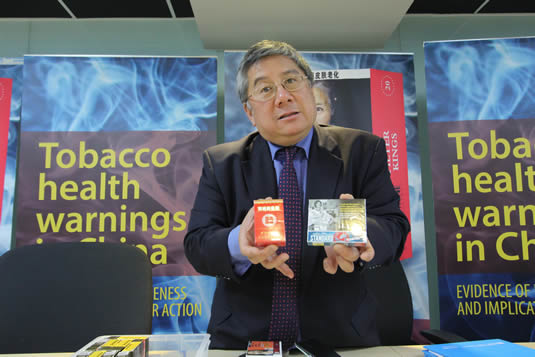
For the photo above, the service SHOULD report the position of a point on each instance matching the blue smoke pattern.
(478, 80)
(237, 125)
(13, 71)
(119, 93)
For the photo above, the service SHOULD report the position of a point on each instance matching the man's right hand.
(267, 256)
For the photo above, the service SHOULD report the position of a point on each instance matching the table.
(381, 351)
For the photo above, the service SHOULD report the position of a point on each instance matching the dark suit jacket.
(336, 310)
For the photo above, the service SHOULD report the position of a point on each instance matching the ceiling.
(307, 24)
(182, 8)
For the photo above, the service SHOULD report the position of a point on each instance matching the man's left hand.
(343, 256)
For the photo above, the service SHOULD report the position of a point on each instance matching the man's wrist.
(240, 263)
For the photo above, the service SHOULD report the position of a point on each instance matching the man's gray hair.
(262, 50)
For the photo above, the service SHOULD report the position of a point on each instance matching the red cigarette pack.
(269, 223)
(264, 348)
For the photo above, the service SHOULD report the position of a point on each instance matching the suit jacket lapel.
(324, 170)
(257, 162)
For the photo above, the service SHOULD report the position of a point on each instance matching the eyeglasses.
(265, 90)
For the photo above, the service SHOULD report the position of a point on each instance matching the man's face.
(287, 118)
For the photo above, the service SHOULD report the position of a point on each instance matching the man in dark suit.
(334, 307)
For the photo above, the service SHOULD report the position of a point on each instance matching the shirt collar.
(303, 144)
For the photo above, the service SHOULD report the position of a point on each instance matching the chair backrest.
(390, 288)
(57, 297)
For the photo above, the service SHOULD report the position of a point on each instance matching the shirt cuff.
(240, 263)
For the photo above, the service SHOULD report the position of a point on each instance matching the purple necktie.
(284, 320)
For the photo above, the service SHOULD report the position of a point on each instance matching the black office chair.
(57, 297)
(390, 287)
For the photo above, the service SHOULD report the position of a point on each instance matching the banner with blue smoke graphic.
(10, 68)
(324, 64)
(110, 151)
(481, 117)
